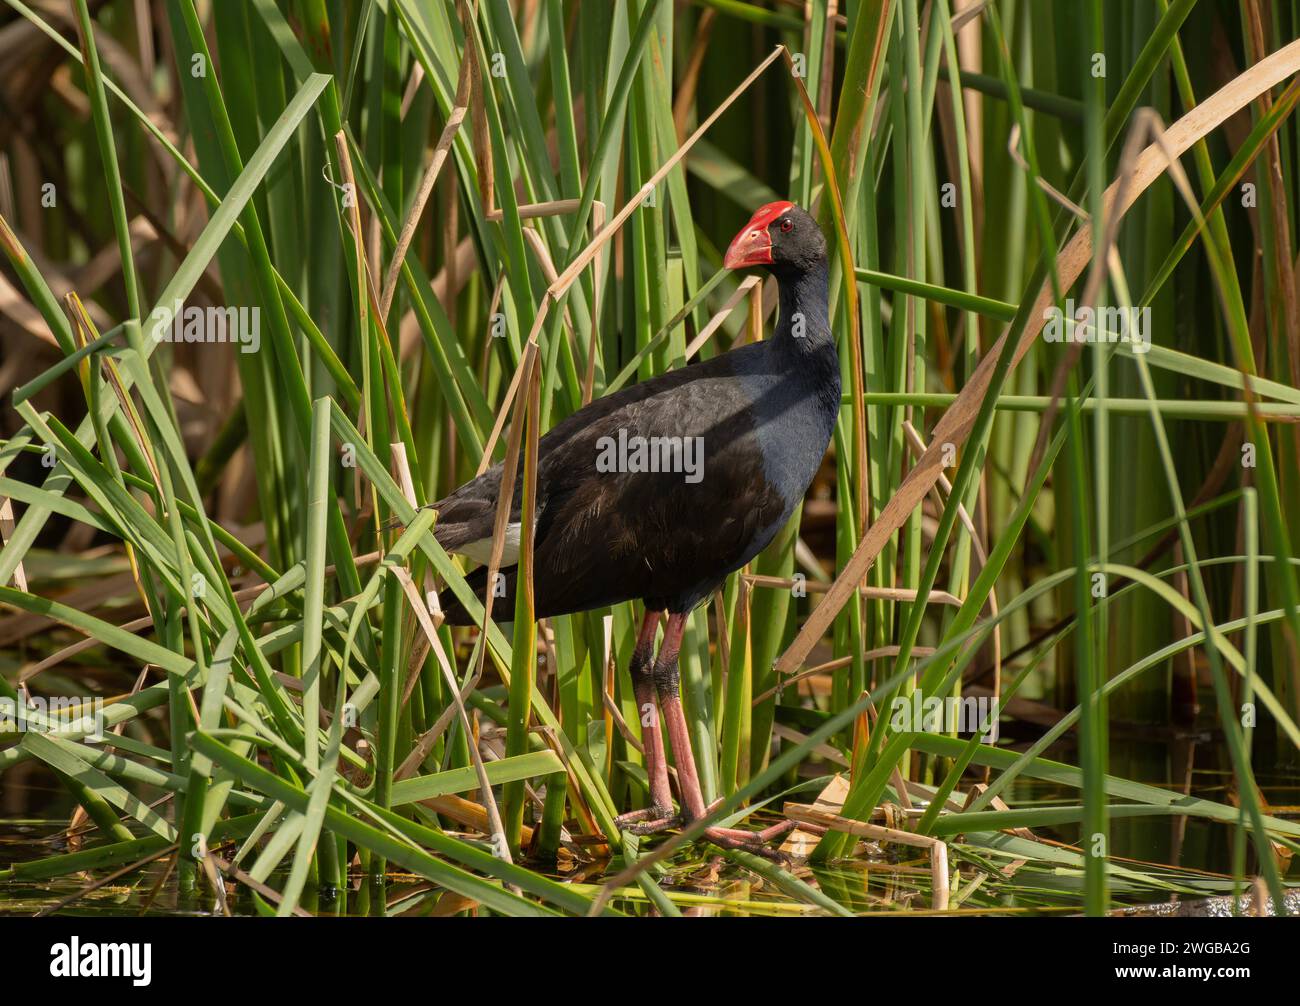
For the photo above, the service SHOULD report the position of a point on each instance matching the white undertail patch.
(481, 550)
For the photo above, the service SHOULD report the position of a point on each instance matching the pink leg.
(667, 680)
(670, 700)
(659, 814)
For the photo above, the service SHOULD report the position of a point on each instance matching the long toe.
(656, 826)
(745, 841)
(751, 841)
(648, 820)
(771, 833)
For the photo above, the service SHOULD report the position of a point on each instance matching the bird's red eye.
(787, 224)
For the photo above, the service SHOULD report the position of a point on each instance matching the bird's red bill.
(753, 245)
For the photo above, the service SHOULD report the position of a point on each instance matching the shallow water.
(1182, 858)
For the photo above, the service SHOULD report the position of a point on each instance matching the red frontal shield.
(753, 245)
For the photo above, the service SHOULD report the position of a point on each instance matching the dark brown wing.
(607, 536)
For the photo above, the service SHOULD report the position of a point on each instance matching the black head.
(780, 236)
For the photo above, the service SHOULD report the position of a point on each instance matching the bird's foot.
(755, 842)
(654, 819)
(648, 820)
